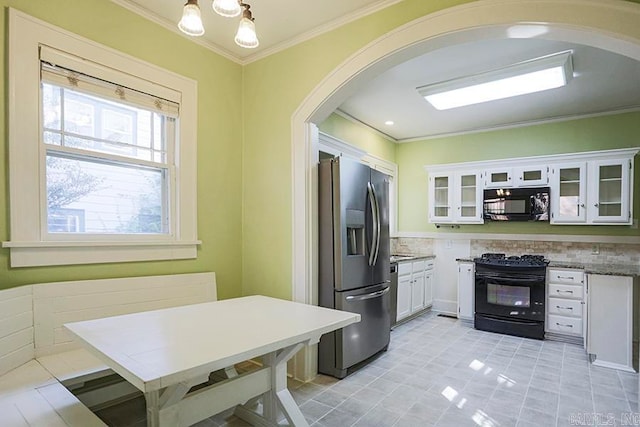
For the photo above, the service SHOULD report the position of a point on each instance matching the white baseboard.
(445, 307)
(611, 365)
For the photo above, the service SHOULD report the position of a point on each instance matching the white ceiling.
(279, 23)
(603, 81)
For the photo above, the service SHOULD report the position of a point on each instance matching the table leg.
(279, 392)
(153, 408)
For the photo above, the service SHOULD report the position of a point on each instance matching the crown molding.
(527, 123)
(171, 26)
(352, 119)
(317, 31)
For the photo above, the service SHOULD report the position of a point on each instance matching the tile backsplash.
(588, 253)
(411, 246)
(609, 253)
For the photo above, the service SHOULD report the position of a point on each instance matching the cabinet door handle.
(566, 277)
(596, 204)
(563, 308)
(581, 205)
(565, 292)
(566, 326)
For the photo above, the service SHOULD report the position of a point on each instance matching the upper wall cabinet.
(585, 188)
(520, 176)
(569, 193)
(596, 191)
(455, 197)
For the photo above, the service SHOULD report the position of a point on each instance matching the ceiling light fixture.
(227, 8)
(191, 22)
(389, 123)
(535, 75)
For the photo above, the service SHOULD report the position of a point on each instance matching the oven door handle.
(512, 280)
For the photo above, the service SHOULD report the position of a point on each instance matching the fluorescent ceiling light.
(547, 72)
(389, 123)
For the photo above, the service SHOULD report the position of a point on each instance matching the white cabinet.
(609, 191)
(592, 192)
(440, 197)
(569, 193)
(417, 293)
(566, 304)
(404, 297)
(415, 287)
(610, 314)
(531, 176)
(455, 197)
(498, 178)
(466, 288)
(586, 188)
(428, 288)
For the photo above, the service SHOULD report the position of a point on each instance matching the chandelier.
(191, 22)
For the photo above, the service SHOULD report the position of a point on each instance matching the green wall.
(274, 87)
(360, 136)
(589, 134)
(219, 140)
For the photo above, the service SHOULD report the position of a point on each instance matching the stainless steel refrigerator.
(353, 261)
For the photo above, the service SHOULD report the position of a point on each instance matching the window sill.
(37, 254)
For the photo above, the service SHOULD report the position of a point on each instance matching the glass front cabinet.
(610, 191)
(591, 192)
(569, 193)
(455, 197)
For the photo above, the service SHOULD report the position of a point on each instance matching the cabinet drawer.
(565, 307)
(569, 277)
(404, 268)
(418, 266)
(565, 325)
(565, 291)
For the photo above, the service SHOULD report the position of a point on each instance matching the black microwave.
(516, 204)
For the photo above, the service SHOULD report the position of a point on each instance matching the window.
(112, 164)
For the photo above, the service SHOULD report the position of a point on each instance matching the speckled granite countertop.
(606, 269)
(409, 257)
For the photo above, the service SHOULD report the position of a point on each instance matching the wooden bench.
(39, 361)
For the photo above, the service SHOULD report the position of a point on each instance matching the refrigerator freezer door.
(362, 340)
(351, 225)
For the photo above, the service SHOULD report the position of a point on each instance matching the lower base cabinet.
(466, 290)
(415, 287)
(610, 321)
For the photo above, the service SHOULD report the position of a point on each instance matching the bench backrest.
(16, 328)
(55, 304)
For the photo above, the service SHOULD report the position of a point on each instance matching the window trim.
(27, 247)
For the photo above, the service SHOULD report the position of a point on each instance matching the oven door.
(516, 296)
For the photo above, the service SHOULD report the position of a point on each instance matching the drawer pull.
(566, 326)
(566, 277)
(563, 308)
(564, 292)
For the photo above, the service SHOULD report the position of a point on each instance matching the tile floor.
(441, 372)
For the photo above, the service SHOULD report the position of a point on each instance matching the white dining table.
(165, 353)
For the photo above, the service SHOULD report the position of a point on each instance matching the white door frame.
(607, 24)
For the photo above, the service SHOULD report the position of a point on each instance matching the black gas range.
(510, 294)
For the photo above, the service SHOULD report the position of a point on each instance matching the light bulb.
(191, 23)
(246, 35)
(227, 8)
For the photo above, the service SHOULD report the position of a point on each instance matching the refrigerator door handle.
(367, 296)
(376, 225)
(374, 214)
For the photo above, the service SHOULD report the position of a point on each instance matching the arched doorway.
(610, 25)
